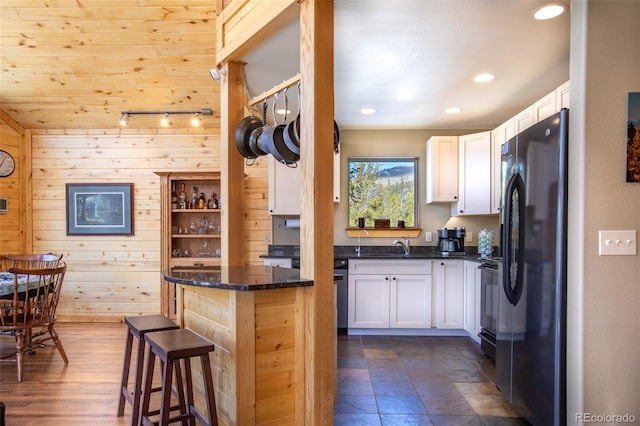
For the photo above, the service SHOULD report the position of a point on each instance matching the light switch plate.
(468, 237)
(617, 243)
(428, 237)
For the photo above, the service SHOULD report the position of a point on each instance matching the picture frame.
(633, 137)
(99, 208)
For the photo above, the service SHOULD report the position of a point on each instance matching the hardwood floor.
(83, 392)
(381, 380)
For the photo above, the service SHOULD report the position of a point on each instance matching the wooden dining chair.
(4, 263)
(34, 261)
(35, 298)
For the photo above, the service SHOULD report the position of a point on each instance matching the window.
(383, 188)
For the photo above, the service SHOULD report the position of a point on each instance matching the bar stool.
(172, 346)
(138, 326)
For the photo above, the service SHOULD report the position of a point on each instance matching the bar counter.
(240, 278)
(255, 316)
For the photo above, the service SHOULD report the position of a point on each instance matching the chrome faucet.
(358, 249)
(405, 245)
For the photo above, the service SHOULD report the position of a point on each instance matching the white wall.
(603, 291)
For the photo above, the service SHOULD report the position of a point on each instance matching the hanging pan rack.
(267, 94)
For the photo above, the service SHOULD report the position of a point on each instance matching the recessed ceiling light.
(549, 11)
(367, 111)
(453, 110)
(483, 78)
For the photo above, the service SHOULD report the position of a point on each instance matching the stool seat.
(140, 325)
(137, 327)
(178, 344)
(171, 347)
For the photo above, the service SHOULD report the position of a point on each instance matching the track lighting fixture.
(195, 121)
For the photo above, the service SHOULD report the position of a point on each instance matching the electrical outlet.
(468, 237)
(428, 237)
(266, 237)
(617, 243)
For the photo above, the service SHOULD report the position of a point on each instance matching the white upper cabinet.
(442, 169)
(284, 188)
(545, 107)
(562, 96)
(474, 175)
(336, 177)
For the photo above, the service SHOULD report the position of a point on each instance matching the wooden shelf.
(195, 210)
(383, 232)
(195, 235)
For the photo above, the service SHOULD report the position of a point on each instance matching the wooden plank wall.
(112, 276)
(10, 189)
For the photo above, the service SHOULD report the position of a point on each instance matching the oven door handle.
(488, 268)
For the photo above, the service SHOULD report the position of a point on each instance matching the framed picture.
(633, 138)
(99, 209)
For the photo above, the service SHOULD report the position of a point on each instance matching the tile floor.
(417, 380)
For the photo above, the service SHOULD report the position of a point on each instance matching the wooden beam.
(245, 24)
(316, 244)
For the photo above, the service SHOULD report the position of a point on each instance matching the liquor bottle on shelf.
(194, 198)
(183, 198)
(213, 202)
(201, 201)
(174, 196)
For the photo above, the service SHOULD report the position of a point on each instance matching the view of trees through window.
(382, 189)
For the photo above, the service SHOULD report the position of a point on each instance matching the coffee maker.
(451, 240)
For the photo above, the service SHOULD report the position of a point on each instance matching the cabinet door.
(410, 305)
(498, 137)
(442, 169)
(284, 188)
(336, 177)
(450, 294)
(472, 299)
(474, 168)
(545, 107)
(368, 301)
(562, 96)
(524, 119)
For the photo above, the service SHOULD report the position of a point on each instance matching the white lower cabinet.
(449, 276)
(389, 293)
(472, 309)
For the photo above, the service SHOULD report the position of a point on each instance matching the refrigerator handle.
(515, 185)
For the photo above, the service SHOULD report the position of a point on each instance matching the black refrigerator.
(531, 330)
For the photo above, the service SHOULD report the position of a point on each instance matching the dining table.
(7, 283)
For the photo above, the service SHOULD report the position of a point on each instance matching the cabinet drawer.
(395, 266)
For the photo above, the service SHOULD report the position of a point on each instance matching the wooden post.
(316, 231)
(232, 96)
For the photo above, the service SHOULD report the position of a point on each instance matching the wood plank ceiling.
(76, 64)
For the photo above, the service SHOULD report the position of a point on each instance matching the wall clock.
(7, 164)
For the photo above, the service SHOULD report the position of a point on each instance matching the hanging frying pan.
(272, 139)
(243, 132)
(256, 133)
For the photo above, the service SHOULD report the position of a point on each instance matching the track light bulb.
(195, 121)
(165, 120)
(124, 119)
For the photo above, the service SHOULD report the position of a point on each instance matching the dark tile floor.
(417, 380)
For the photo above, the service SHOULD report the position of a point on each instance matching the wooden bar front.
(258, 363)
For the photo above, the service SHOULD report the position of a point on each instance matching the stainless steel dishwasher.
(340, 273)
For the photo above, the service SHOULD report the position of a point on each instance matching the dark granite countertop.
(378, 252)
(239, 278)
